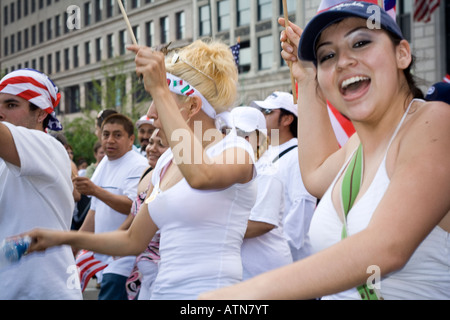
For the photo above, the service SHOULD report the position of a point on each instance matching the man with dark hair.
(35, 187)
(113, 188)
(299, 205)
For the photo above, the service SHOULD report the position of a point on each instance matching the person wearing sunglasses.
(281, 120)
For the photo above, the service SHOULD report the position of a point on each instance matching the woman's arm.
(414, 203)
(200, 171)
(320, 157)
(116, 243)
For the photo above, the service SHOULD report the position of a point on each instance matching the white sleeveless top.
(427, 273)
(201, 231)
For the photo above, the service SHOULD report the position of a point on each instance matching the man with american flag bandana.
(35, 187)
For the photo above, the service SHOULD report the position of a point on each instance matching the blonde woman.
(202, 191)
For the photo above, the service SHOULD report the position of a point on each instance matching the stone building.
(82, 42)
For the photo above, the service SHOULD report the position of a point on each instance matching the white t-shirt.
(120, 177)
(270, 250)
(299, 204)
(201, 231)
(38, 194)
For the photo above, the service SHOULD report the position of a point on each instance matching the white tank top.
(201, 231)
(427, 273)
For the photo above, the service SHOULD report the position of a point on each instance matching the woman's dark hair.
(34, 107)
(411, 80)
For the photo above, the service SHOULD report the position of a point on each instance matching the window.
(110, 8)
(87, 52)
(13, 43)
(19, 40)
(149, 34)
(205, 20)
(72, 99)
(264, 9)
(110, 45)
(265, 53)
(223, 15)
(41, 64)
(25, 8)
(26, 39)
(291, 6)
(98, 10)
(245, 57)
(122, 42)
(164, 27)
(93, 96)
(76, 59)
(136, 33)
(58, 61)
(87, 13)
(180, 25)
(135, 4)
(57, 25)
(243, 12)
(49, 64)
(33, 35)
(5, 46)
(5, 15)
(49, 29)
(19, 9)
(41, 32)
(98, 49)
(12, 12)
(404, 18)
(66, 59)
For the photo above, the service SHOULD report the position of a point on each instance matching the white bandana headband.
(35, 87)
(179, 86)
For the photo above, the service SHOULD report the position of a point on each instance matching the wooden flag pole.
(380, 3)
(286, 23)
(125, 17)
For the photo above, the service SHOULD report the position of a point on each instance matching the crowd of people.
(221, 204)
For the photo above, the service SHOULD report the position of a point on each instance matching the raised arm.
(199, 170)
(319, 154)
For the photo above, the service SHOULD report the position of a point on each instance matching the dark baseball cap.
(439, 92)
(349, 9)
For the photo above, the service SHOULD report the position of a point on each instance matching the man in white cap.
(299, 205)
(145, 130)
(264, 247)
(35, 187)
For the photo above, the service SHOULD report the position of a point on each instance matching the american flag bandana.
(35, 87)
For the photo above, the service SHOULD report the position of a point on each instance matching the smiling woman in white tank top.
(394, 242)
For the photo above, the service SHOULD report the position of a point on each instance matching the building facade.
(81, 43)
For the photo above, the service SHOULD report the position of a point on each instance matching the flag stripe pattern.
(423, 9)
(88, 266)
(447, 78)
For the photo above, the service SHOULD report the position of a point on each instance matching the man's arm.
(120, 203)
(8, 151)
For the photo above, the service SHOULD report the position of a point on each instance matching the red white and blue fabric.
(388, 5)
(88, 266)
(447, 78)
(423, 9)
(35, 87)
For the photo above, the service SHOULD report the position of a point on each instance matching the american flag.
(447, 78)
(88, 266)
(423, 9)
(388, 5)
(235, 51)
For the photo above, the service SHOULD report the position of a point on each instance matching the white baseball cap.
(248, 119)
(278, 100)
(144, 120)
